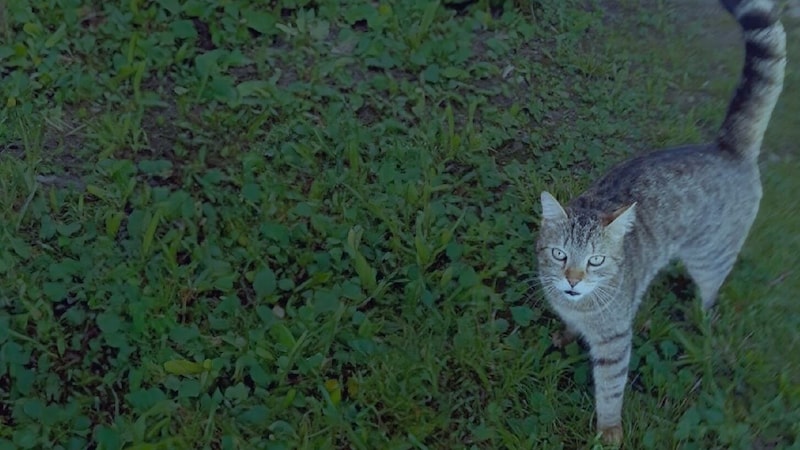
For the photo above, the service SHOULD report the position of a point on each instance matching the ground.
(300, 224)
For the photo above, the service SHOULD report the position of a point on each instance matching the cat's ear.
(551, 209)
(619, 222)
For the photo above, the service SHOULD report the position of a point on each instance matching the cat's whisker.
(603, 299)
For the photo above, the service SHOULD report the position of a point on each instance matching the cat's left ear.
(619, 222)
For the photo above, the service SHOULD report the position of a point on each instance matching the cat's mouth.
(572, 293)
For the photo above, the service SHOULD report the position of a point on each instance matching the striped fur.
(598, 254)
(762, 78)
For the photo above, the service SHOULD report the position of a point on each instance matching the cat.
(598, 254)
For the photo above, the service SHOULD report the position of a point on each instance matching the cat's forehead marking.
(582, 228)
(579, 231)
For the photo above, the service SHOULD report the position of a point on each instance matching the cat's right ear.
(620, 221)
(551, 209)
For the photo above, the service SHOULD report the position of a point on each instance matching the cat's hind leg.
(710, 265)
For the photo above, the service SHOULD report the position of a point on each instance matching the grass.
(301, 224)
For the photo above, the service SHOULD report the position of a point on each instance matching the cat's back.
(675, 178)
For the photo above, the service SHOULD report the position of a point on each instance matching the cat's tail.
(762, 77)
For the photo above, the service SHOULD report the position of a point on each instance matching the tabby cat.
(598, 254)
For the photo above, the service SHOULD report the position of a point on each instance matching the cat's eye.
(559, 255)
(596, 260)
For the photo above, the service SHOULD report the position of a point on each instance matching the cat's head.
(580, 251)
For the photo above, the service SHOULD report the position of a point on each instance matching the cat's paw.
(563, 338)
(612, 435)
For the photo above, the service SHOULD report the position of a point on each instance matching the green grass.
(301, 224)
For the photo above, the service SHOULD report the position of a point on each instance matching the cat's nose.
(573, 276)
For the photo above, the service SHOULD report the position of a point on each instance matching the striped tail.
(749, 112)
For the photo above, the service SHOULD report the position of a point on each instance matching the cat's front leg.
(611, 354)
(565, 336)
